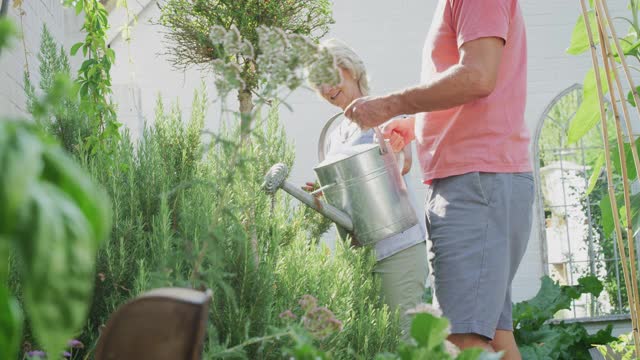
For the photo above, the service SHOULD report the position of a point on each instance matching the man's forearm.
(458, 85)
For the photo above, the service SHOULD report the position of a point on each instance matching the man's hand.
(402, 128)
(369, 112)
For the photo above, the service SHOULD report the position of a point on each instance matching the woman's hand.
(400, 133)
(402, 127)
(310, 186)
(396, 141)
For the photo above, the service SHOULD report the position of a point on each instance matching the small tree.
(190, 24)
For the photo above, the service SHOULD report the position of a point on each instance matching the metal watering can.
(364, 191)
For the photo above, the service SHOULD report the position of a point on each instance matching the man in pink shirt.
(473, 147)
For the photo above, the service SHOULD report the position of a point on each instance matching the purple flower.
(308, 303)
(75, 344)
(321, 322)
(288, 315)
(335, 324)
(36, 353)
(66, 354)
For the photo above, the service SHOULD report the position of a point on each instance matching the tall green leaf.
(629, 44)
(635, 213)
(595, 174)
(630, 97)
(10, 319)
(607, 215)
(60, 217)
(588, 114)
(579, 38)
(631, 167)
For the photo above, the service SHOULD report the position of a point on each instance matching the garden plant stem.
(610, 187)
(623, 61)
(611, 65)
(623, 166)
(252, 341)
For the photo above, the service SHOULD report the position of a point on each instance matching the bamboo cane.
(625, 179)
(623, 60)
(625, 110)
(607, 156)
(611, 61)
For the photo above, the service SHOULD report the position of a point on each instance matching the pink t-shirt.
(488, 134)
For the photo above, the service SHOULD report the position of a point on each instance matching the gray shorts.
(479, 226)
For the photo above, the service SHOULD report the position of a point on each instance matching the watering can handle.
(383, 146)
(405, 156)
(323, 188)
(406, 153)
(325, 129)
(323, 136)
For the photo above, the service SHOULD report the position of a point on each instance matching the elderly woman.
(402, 258)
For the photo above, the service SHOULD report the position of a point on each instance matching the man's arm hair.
(473, 78)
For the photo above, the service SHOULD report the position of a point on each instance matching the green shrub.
(189, 210)
(67, 121)
(344, 283)
(183, 218)
(539, 339)
(53, 219)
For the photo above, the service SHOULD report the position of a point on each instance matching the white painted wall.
(388, 36)
(63, 25)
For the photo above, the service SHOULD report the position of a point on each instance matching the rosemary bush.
(189, 210)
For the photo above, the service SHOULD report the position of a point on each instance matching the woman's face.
(344, 93)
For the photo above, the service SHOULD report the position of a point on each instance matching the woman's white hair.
(347, 59)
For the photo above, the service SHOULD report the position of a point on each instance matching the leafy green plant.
(620, 349)
(538, 338)
(428, 333)
(189, 210)
(428, 337)
(344, 282)
(314, 322)
(193, 225)
(94, 75)
(53, 220)
(186, 218)
(66, 121)
(588, 114)
(586, 119)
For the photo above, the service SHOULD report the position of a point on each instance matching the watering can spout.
(276, 178)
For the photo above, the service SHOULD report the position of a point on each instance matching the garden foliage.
(53, 220)
(188, 210)
(540, 338)
(587, 118)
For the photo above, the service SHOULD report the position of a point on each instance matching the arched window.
(574, 243)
